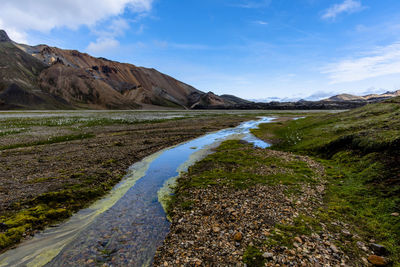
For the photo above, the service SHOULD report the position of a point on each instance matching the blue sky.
(249, 48)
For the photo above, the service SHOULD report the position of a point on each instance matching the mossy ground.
(360, 150)
(53, 207)
(240, 165)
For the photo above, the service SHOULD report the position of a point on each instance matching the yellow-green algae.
(43, 248)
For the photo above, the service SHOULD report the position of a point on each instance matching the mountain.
(366, 98)
(44, 77)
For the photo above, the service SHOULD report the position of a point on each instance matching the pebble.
(377, 260)
(267, 255)
(238, 236)
(379, 249)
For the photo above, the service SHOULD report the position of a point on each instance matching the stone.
(267, 255)
(395, 214)
(298, 240)
(360, 244)
(346, 233)
(334, 248)
(238, 236)
(379, 249)
(216, 229)
(3, 227)
(377, 260)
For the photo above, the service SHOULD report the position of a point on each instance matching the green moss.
(284, 234)
(51, 140)
(237, 164)
(360, 150)
(253, 257)
(53, 207)
(41, 180)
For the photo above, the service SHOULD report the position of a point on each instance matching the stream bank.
(126, 226)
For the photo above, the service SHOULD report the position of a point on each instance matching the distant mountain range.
(366, 98)
(44, 77)
(339, 98)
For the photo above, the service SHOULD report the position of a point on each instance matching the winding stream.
(126, 227)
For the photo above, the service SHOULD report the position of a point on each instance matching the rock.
(89, 261)
(360, 244)
(238, 236)
(216, 229)
(165, 263)
(377, 260)
(346, 233)
(298, 240)
(379, 249)
(3, 227)
(334, 248)
(395, 214)
(268, 255)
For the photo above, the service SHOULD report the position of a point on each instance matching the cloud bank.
(18, 17)
(381, 61)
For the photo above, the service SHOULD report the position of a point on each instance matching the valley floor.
(52, 166)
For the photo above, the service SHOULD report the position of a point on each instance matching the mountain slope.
(19, 87)
(369, 98)
(77, 80)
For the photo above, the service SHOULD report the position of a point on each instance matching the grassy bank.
(235, 204)
(360, 150)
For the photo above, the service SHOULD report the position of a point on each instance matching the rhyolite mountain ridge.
(44, 77)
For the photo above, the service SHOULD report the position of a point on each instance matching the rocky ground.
(40, 184)
(263, 225)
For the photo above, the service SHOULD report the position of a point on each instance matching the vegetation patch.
(53, 207)
(238, 164)
(360, 150)
(253, 257)
(50, 140)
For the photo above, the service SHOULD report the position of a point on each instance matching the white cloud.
(252, 4)
(102, 45)
(260, 22)
(19, 16)
(348, 6)
(379, 62)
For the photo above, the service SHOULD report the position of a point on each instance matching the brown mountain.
(366, 98)
(38, 77)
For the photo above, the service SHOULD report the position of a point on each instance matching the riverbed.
(127, 226)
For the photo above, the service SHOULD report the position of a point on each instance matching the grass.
(50, 140)
(10, 132)
(239, 165)
(360, 152)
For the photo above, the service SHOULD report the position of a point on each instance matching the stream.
(127, 225)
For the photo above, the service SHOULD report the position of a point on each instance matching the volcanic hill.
(44, 77)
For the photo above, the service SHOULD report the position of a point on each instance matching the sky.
(254, 49)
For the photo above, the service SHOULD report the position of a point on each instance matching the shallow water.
(126, 227)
